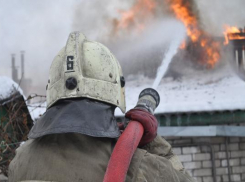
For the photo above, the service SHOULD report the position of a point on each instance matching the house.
(203, 116)
(15, 120)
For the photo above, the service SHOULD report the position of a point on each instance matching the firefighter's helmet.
(86, 69)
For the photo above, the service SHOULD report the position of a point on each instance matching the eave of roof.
(201, 118)
(10, 98)
(195, 131)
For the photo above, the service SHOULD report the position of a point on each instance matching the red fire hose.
(123, 152)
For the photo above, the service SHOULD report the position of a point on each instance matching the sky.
(41, 27)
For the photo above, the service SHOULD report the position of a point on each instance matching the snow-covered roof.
(203, 91)
(8, 87)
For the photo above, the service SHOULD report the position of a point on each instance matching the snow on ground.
(8, 87)
(202, 91)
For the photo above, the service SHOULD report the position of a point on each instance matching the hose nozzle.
(149, 99)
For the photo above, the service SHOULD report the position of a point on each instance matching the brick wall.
(196, 156)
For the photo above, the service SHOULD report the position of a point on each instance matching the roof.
(8, 88)
(203, 91)
(190, 131)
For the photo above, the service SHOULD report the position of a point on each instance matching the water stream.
(173, 48)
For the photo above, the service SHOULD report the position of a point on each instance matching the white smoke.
(41, 28)
(95, 18)
(215, 14)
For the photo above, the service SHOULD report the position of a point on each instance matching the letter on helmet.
(85, 69)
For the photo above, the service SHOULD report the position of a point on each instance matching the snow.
(37, 109)
(199, 92)
(8, 87)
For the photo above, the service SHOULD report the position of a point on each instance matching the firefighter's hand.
(121, 126)
(148, 121)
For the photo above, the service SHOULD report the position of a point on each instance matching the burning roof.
(233, 33)
(185, 11)
(207, 49)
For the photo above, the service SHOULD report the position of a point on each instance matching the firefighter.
(73, 140)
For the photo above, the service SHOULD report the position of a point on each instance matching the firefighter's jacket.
(74, 157)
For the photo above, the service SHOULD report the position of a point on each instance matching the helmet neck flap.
(84, 116)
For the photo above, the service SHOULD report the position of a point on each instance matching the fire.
(231, 33)
(189, 20)
(183, 11)
(135, 17)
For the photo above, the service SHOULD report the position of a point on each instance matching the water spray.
(128, 142)
(174, 45)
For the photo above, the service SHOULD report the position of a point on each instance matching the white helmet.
(86, 69)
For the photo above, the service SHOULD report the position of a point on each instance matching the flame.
(183, 45)
(231, 33)
(135, 17)
(183, 11)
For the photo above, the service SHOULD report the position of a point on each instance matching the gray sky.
(41, 27)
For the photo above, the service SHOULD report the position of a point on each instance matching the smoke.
(138, 51)
(144, 53)
(217, 13)
(95, 18)
(41, 28)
